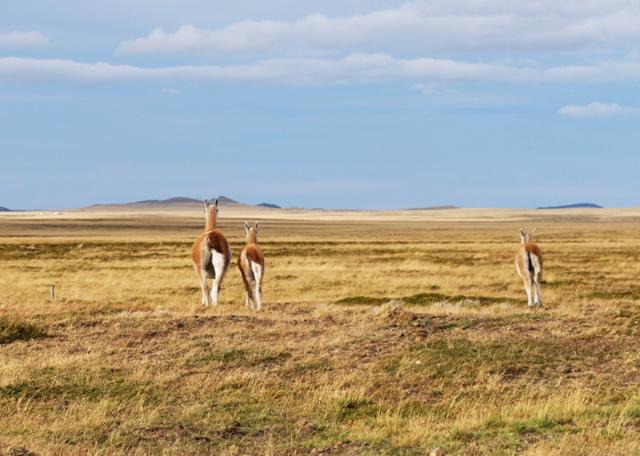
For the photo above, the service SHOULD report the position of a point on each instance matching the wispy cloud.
(595, 109)
(355, 68)
(18, 39)
(448, 25)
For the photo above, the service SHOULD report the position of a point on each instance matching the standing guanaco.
(251, 264)
(211, 256)
(529, 267)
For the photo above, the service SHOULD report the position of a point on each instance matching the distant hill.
(433, 208)
(269, 205)
(4, 209)
(574, 206)
(178, 203)
(224, 200)
(184, 200)
(175, 200)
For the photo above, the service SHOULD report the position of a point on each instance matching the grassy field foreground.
(391, 337)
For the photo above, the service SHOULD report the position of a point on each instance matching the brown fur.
(254, 253)
(211, 218)
(534, 249)
(521, 258)
(216, 241)
(213, 240)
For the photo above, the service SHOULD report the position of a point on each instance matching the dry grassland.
(388, 335)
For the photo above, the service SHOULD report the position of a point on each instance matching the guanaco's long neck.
(211, 219)
(251, 237)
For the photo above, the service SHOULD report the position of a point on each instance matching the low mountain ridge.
(178, 202)
(224, 200)
(269, 205)
(574, 206)
(174, 200)
(434, 208)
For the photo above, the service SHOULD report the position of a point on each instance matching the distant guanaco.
(211, 256)
(251, 265)
(529, 267)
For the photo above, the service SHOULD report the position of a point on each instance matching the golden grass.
(378, 337)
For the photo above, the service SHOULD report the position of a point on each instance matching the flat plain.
(382, 333)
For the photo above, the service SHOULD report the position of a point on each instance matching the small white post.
(52, 292)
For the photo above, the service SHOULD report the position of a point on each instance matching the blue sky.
(350, 104)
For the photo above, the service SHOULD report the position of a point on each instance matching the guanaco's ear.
(523, 235)
(206, 205)
(216, 203)
(246, 227)
(255, 227)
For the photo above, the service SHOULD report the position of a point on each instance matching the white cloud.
(449, 25)
(595, 109)
(355, 68)
(17, 39)
(242, 36)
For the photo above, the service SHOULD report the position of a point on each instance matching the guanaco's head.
(211, 213)
(252, 232)
(526, 237)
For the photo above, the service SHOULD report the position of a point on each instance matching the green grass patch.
(425, 299)
(541, 426)
(75, 384)
(226, 356)
(11, 331)
(350, 409)
(634, 413)
(460, 359)
(509, 436)
(239, 358)
(353, 300)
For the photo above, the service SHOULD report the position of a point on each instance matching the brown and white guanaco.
(211, 256)
(529, 267)
(251, 264)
